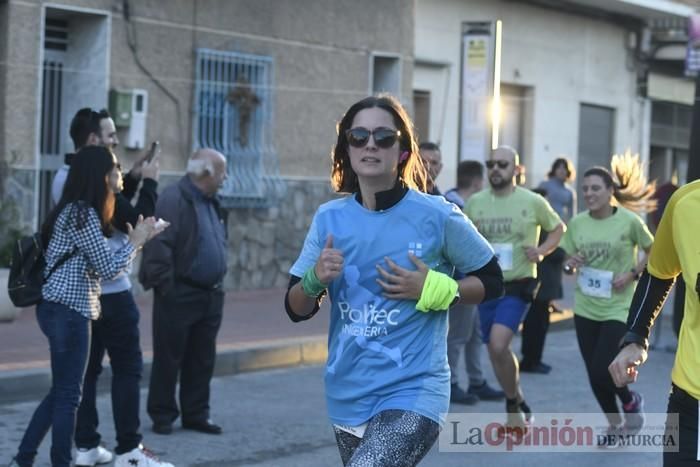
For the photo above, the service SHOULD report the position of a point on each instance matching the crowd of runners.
(415, 279)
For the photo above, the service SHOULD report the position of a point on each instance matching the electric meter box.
(136, 135)
(120, 107)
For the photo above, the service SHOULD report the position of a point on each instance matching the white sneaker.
(140, 457)
(610, 437)
(92, 457)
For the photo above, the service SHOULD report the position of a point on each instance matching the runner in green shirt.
(511, 218)
(602, 247)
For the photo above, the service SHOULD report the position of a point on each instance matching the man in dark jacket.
(186, 267)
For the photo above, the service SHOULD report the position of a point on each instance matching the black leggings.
(393, 438)
(599, 342)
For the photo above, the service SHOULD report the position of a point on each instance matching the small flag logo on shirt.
(415, 249)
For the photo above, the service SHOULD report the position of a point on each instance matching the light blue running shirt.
(383, 353)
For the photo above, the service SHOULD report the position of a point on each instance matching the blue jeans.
(69, 338)
(117, 333)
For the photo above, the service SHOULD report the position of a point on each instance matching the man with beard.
(510, 217)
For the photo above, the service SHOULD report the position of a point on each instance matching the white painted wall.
(566, 59)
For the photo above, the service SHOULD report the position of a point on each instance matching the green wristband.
(439, 290)
(311, 285)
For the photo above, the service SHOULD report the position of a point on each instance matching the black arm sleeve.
(649, 298)
(293, 316)
(131, 184)
(146, 206)
(492, 277)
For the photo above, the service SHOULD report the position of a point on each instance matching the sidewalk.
(255, 334)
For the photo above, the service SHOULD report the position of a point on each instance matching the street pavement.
(255, 334)
(277, 418)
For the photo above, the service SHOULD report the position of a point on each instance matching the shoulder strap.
(60, 262)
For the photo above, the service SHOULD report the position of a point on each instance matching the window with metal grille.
(234, 115)
(56, 34)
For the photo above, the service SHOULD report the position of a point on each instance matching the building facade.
(263, 81)
(573, 77)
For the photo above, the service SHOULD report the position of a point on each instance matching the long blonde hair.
(629, 182)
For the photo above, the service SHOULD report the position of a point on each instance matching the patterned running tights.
(393, 438)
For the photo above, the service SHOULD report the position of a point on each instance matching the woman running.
(385, 255)
(602, 246)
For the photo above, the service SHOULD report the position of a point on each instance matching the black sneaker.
(459, 396)
(486, 392)
(538, 368)
(162, 428)
(634, 414)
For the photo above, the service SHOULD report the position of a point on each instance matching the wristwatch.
(457, 297)
(637, 275)
(634, 338)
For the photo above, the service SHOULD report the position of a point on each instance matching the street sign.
(480, 89)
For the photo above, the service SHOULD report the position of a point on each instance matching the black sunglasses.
(383, 137)
(500, 164)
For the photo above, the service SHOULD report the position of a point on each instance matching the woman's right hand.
(330, 263)
(145, 230)
(574, 262)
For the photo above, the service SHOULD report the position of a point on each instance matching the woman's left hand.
(622, 280)
(400, 283)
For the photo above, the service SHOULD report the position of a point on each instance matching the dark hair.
(411, 170)
(567, 164)
(630, 187)
(86, 187)
(428, 146)
(467, 172)
(86, 122)
(102, 114)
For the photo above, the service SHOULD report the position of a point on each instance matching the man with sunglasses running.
(463, 336)
(511, 217)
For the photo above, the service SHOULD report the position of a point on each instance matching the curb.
(33, 384)
(231, 359)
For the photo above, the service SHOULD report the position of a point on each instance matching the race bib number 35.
(504, 254)
(595, 282)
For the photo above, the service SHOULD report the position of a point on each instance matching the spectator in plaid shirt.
(76, 227)
(117, 331)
